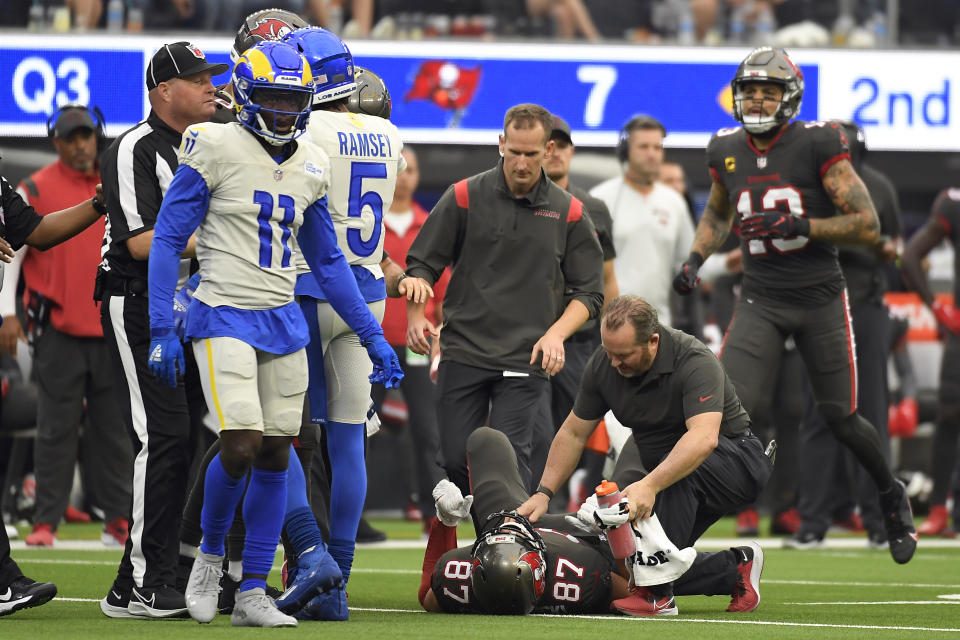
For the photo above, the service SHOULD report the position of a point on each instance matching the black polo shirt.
(685, 380)
(17, 218)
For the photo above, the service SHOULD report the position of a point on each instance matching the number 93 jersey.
(365, 159)
(787, 177)
(577, 576)
(247, 242)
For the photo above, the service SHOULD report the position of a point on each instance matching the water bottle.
(36, 21)
(879, 28)
(765, 26)
(737, 25)
(685, 32)
(134, 17)
(115, 15)
(621, 539)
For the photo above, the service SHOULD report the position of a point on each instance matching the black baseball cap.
(561, 129)
(71, 119)
(176, 60)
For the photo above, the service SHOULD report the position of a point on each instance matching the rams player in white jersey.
(253, 210)
(365, 159)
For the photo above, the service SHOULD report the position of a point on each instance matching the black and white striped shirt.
(136, 171)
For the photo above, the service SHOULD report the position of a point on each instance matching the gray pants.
(69, 370)
(826, 467)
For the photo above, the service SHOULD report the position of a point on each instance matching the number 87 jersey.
(365, 159)
(787, 177)
(577, 575)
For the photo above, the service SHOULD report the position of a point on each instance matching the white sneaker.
(12, 532)
(203, 587)
(254, 608)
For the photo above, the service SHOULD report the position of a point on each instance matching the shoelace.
(209, 581)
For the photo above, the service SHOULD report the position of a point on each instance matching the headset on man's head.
(93, 111)
(639, 121)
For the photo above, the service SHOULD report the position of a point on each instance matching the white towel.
(657, 560)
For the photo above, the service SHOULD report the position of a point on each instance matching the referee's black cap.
(176, 60)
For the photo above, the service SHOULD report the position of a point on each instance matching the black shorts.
(825, 340)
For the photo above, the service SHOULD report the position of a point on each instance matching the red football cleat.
(43, 535)
(115, 532)
(642, 602)
(72, 514)
(748, 523)
(786, 522)
(746, 595)
(936, 522)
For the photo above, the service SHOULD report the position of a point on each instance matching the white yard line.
(614, 618)
(810, 604)
(857, 543)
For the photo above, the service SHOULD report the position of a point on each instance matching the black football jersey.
(786, 177)
(946, 210)
(577, 577)
(17, 219)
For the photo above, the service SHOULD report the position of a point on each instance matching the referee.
(136, 170)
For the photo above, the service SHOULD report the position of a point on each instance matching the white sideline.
(640, 620)
(846, 543)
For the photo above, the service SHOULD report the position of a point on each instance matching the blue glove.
(386, 365)
(181, 302)
(166, 354)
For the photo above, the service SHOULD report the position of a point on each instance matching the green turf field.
(848, 592)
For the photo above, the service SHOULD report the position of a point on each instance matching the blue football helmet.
(273, 88)
(330, 61)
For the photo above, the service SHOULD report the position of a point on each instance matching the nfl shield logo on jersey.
(762, 162)
(278, 174)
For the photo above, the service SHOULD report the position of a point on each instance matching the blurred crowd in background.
(789, 23)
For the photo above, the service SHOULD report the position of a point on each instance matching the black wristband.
(547, 492)
(696, 258)
(402, 276)
(98, 205)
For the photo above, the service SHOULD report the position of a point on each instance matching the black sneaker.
(24, 593)
(115, 604)
(877, 540)
(184, 567)
(366, 533)
(157, 602)
(804, 540)
(898, 520)
(228, 593)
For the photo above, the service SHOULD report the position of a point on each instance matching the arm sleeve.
(582, 266)
(318, 243)
(702, 386)
(436, 245)
(183, 209)
(19, 218)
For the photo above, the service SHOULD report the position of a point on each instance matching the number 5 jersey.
(365, 159)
